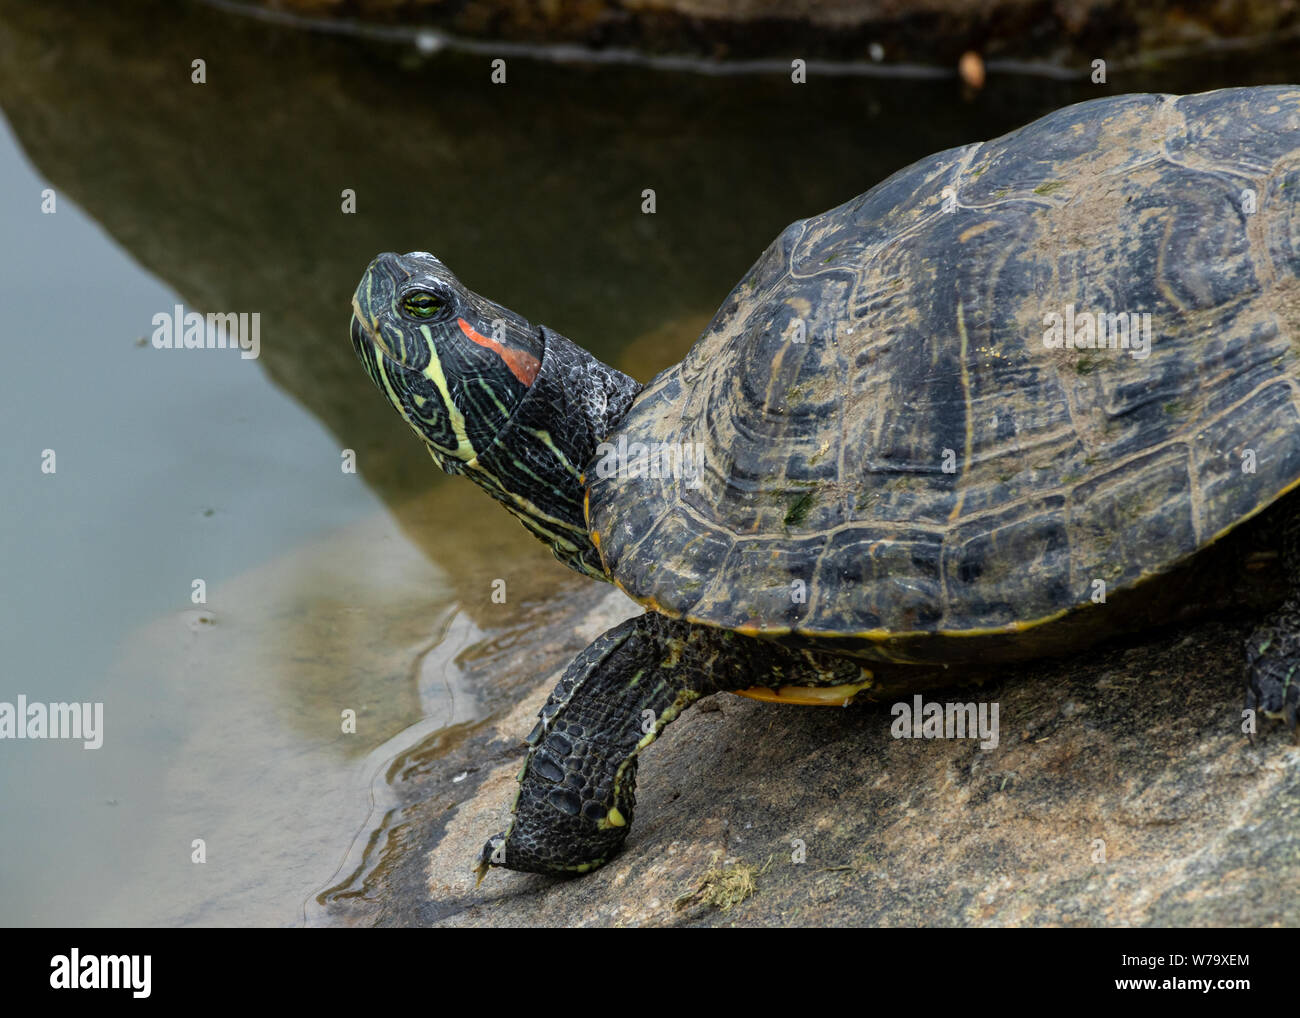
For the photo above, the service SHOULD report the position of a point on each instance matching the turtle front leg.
(577, 787)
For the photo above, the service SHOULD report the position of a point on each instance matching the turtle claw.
(492, 850)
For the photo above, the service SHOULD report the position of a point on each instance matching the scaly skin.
(1273, 650)
(577, 788)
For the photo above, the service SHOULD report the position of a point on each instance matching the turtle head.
(516, 407)
(453, 364)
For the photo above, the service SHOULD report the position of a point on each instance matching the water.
(329, 591)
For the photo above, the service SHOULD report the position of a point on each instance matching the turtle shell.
(893, 444)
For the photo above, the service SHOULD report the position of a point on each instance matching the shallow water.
(329, 591)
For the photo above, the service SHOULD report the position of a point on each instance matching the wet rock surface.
(1122, 792)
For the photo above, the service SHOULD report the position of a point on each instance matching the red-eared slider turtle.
(928, 428)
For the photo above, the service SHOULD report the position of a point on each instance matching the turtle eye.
(421, 304)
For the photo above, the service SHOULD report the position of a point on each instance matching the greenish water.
(329, 591)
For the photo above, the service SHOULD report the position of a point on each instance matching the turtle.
(1020, 397)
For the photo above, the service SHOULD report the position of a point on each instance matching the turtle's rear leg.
(1273, 665)
(1273, 650)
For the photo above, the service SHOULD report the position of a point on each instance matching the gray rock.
(1122, 793)
(914, 31)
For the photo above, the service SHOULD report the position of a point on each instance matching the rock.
(1122, 793)
(934, 32)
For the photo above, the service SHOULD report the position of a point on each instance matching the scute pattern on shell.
(924, 333)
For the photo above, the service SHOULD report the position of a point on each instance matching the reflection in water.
(264, 773)
(360, 620)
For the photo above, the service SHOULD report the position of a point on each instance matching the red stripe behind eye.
(523, 366)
